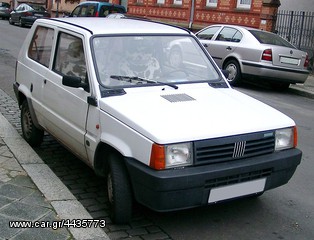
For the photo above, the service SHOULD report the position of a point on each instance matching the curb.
(62, 200)
(301, 91)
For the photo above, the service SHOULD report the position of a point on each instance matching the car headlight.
(285, 138)
(171, 156)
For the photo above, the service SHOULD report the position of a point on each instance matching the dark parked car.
(96, 9)
(26, 14)
(5, 10)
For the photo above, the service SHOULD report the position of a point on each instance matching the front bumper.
(189, 187)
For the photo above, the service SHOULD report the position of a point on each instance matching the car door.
(66, 107)
(224, 44)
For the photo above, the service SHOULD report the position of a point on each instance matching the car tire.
(21, 23)
(280, 86)
(31, 133)
(119, 191)
(234, 77)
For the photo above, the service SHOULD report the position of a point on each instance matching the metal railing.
(298, 28)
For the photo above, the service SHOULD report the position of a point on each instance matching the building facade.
(194, 14)
(299, 5)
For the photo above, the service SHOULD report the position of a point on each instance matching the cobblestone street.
(82, 182)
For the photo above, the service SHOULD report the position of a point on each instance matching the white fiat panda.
(143, 104)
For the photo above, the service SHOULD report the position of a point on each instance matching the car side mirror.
(225, 73)
(75, 82)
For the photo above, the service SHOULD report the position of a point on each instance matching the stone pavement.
(31, 192)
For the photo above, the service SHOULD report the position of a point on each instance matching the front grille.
(234, 147)
(238, 178)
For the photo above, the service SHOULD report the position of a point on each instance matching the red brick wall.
(258, 16)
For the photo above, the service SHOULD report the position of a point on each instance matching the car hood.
(192, 112)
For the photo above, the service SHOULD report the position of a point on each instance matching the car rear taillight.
(97, 14)
(28, 14)
(307, 61)
(267, 55)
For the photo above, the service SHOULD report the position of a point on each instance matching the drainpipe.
(191, 14)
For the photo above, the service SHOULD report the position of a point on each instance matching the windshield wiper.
(139, 79)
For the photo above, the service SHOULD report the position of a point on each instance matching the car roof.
(236, 26)
(115, 26)
(101, 3)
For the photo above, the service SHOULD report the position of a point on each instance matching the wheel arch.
(229, 58)
(102, 153)
(21, 97)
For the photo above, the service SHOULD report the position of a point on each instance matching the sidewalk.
(30, 191)
(306, 89)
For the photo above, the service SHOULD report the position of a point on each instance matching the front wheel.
(31, 133)
(119, 190)
(234, 77)
(10, 21)
(21, 23)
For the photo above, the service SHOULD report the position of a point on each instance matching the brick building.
(195, 14)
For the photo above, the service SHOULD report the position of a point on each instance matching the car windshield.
(270, 38)
(127, 61)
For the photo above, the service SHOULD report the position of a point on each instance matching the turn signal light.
(157, 157)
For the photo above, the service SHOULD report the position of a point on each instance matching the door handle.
(45, 81)
(205, 45)
(229, 48)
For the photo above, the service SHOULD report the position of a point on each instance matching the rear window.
(38, 8)
(3, 4)
(270, 38)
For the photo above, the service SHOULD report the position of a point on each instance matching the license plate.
(293, 61)
(236, 190)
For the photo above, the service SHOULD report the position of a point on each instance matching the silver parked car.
(256, 54)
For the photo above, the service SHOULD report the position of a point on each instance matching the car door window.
(70, 58)
(208, 33)
(76, 11)
(229, 34)
(91, 11)
(41, 45)
(84, 11)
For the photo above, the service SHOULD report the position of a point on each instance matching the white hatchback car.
(157, 128)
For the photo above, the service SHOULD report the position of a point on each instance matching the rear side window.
(41, 45)
(270, 38)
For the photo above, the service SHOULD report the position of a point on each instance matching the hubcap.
(232, 69)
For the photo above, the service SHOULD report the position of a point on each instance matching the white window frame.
(177, 2)
(160, 1)
(242, 5)
(211, 3)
